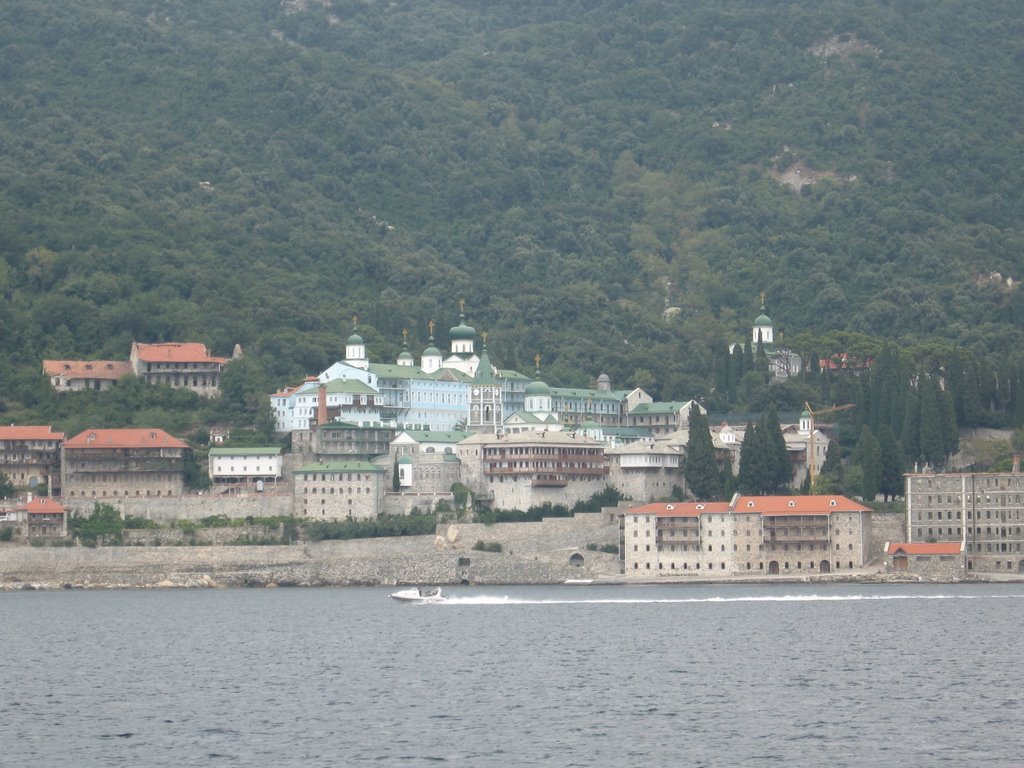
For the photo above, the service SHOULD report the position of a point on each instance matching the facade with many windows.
(749, 535)
(256, 467)
(179, 365)
(984, 511)
(111, 463)
(339, 490)
(30, 457)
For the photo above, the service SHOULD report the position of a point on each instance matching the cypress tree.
(891, 484)
(753, 463)
(701, 469)
(932, 436)
(868, 455)
(780, 471)
(832, 468)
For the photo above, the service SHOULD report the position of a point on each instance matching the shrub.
(6, 533)
(487, 546)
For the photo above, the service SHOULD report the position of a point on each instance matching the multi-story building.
(646, 470)
(984, 511)
(44, 518)
(180, 365)
(245, 468)
(530, 468)
(747, 535)
(111, 463)
(339, 490)
(345, 441)
(78, 375)
(30, 457)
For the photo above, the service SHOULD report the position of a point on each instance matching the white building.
(256, 467)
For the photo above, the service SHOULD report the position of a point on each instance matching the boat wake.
(508, 600)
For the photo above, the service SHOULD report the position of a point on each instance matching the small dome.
(538, 388)
(603, 379)
(355, 338)
(431, 351)
(404, 460)
(405, 356)
(805, 415)
(462, 332)
(763, 318)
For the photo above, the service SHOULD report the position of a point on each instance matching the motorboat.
(419, 595)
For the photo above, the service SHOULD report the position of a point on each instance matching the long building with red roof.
(78, 375)
(749, 535)
(103, 464)
(187, 365)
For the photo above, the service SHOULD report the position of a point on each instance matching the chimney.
(1016, 463)
(321, 404)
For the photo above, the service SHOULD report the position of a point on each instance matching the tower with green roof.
(486, 408)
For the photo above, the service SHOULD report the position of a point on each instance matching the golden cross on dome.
(430, 325)
(405, 335)
(462, 305)
(355, 320)
(483, 336)
(536, 362)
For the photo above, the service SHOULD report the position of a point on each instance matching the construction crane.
(810, 440)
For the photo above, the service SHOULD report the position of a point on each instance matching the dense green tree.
(867, 455)
(7, 489)
(755, 470)
(892, 463)
(780, 470)
(701, 470)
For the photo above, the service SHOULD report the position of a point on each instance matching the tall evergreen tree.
(701, 469)
(868, 456)
(754, 470)
(832, 468)
(780, 470)
(932, 436)
(891, 484)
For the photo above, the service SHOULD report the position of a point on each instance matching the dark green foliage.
(531, 515)
(608, 549)
(7, 489)
(703, 476)
(867, 455)
(224, 172)
(487, 546)
(388, 525)
(780, 470)
(102, 525)
(6, 532)
(891, 455)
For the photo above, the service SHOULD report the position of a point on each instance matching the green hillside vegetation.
(609, 184)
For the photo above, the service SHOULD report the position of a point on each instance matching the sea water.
(780, 675)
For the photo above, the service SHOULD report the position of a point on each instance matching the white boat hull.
(421, 595)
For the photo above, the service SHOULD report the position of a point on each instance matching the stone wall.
(235, 506)
(883, 527)
(149, 537)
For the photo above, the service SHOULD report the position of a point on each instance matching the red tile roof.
(760, 505)
(924, 548)
(680, 509)
(43, 505)
(797, 505)
(88, 369)
(185, 352)
(124, 438)
(29, 433)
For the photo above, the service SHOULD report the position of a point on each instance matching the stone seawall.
(532, 553)
(193, 506)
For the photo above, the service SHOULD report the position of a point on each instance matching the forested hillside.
(609, 184)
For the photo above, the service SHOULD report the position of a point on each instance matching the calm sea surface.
(780, 675)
